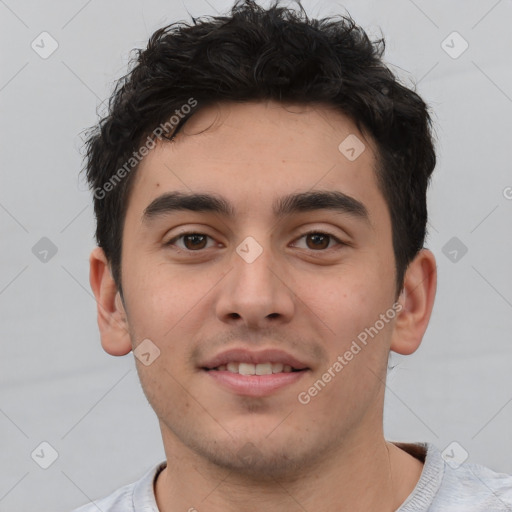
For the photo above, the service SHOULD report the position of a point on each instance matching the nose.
(257, 290)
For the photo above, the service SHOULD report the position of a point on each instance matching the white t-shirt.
(442, 487)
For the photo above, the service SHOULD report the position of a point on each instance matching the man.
(260, 192)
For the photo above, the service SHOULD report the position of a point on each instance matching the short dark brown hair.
(256, 54)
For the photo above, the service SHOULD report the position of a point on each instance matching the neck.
(361, 475)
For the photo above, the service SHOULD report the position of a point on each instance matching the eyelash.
(313, 232)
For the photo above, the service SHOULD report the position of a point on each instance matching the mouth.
(254, 373)
(254, 380)
(269, 368)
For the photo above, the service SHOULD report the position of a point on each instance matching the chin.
(258, 457)
(257, 462)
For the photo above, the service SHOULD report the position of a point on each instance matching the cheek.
(166, 303)
(154, 304)
(357, 357)
(351, 308)
(346, 303)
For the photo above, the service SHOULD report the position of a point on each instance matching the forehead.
(255, 153)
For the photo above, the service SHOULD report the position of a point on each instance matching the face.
(198, 284)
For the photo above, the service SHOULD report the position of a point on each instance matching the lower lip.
(254, 385)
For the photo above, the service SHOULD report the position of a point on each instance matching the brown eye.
(319, 241)
(194, 241)
(190, 241)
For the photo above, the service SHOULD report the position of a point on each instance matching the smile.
(253, 384)
(256, 369)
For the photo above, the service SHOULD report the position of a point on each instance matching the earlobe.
(112, 321)
(417, 301)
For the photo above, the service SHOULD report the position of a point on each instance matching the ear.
(417, 301)
(112, 322)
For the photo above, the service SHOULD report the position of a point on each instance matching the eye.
(320, 240)
(192, 241)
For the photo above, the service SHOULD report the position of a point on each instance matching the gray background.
(58, 385)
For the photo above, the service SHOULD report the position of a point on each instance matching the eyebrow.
(284, 206)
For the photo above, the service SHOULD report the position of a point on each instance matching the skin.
(329, 454)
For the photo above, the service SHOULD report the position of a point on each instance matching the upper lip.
(241, 355)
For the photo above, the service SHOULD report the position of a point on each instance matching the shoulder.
(133, 497)
(448, 486)
(119, 500)
(477, 487)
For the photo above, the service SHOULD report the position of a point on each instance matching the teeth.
(277, 367)
(264, 369)
(246, 369)
(255, 369)
(233, 367)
